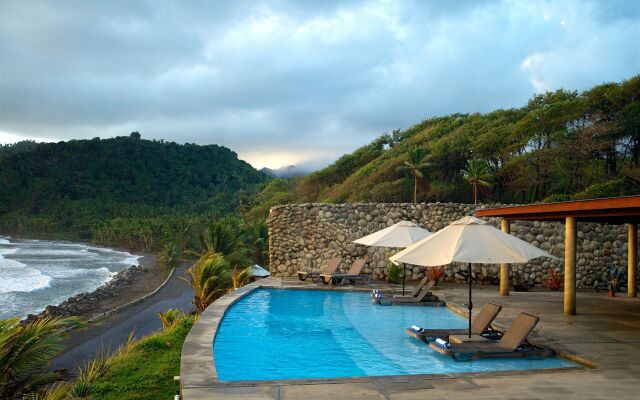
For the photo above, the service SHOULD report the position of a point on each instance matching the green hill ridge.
(561, 145)
(77, 185)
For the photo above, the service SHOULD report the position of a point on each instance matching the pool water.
(297, 334)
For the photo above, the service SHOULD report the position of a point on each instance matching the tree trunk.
(415, 188)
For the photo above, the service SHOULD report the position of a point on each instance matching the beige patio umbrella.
(469, 240)
(401, 234)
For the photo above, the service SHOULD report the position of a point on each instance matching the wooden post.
(570, 266)
(632, 261)
(504, 268)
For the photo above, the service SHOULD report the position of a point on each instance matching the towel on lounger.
(442, 343)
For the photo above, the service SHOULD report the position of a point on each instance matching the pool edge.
(197, 363)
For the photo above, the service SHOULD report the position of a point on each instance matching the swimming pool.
(297, 334)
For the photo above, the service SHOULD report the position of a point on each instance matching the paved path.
(114, 330)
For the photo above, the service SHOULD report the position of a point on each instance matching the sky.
(293, 82)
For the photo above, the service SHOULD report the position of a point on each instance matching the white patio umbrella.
(469, 240)
(401, 234)
(258, 271)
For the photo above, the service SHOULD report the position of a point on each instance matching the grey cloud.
(283, 77)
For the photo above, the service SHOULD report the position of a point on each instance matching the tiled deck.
(606, 331)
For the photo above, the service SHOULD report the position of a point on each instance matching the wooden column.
(570, 266)
(504, 268)
(632, 260)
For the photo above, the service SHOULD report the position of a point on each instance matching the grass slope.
(147, 371)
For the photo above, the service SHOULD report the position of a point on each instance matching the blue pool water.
(297, 334)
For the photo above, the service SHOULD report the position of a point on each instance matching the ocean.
(36, 273)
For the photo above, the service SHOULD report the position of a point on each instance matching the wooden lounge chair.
(425, 297)
(481, 325)
(416, 291)
(354, 274)
(330, 268)
(513, 344)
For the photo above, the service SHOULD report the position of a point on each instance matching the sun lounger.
(481, 325)
(416, 291)
(513, 344)
(330, 268)
(424, 298)
(353, 275)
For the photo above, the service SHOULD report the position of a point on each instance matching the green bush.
(394, 273)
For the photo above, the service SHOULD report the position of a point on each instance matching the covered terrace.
(619, 210)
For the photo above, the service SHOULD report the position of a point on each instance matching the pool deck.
(605, 333)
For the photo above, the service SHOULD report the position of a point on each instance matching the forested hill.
(560, 145)
(78, 184)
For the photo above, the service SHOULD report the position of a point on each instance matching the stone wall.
(305, 236)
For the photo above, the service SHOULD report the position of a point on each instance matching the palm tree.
(225, 238)
(170, 255)
(477, 174)
(416, 163)
(257, 237)
(209, 279)
(26, 349)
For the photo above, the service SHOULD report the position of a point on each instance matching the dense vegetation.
(123, 191)
(139, 369)
(560, 145)
(147, 370)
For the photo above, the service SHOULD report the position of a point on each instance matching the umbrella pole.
(404, 273)
(470, 305)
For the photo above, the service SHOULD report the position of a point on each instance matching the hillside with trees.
(561, 145)
(80, 188)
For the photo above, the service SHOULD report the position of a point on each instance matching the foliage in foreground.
(140, 369)
(26, 351)
(170, 318)
(147, 371)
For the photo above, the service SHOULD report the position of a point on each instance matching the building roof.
(615, 210)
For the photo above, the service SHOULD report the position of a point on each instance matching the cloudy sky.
(283, 82)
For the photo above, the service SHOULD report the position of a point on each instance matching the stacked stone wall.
(304, 236)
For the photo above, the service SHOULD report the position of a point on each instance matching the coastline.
(124, 287)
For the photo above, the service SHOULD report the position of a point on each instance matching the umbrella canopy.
(258, 271)
(401, 234)
(469, 240)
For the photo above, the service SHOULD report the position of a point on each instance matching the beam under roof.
(615, 210)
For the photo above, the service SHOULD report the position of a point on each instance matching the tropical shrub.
(394, 273)
(241, 277)
(170, 318)
(209, 279)
(26, 350)
(555, 279)
(435, 273)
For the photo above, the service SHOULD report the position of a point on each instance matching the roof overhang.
(617, 210)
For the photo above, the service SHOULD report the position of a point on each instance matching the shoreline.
(125, 286)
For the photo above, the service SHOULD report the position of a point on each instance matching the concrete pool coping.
(199, 379)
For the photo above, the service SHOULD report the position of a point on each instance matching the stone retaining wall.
(304, 236)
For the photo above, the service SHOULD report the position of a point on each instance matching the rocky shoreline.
(85, 303)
